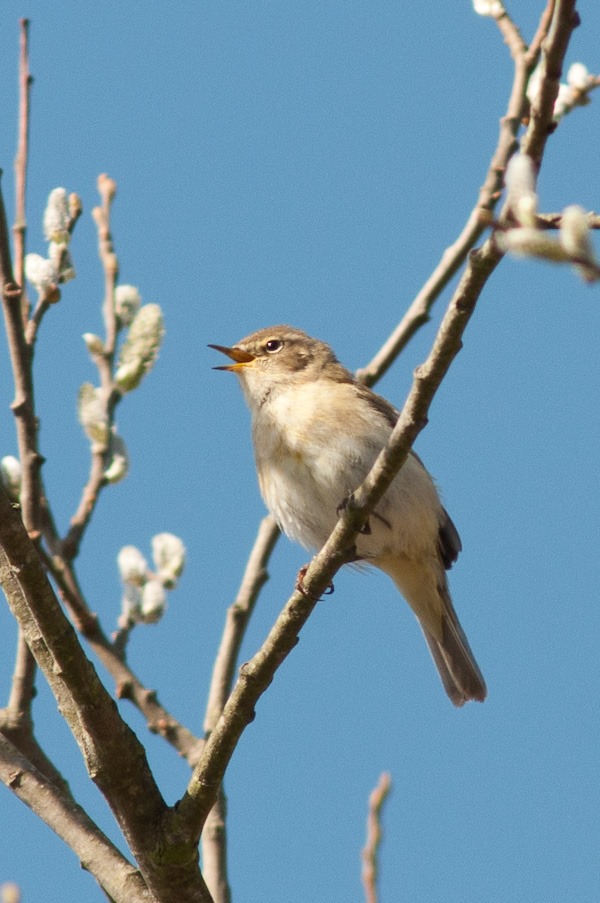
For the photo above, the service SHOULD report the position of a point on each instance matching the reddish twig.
(214, 835)
(238, 616)
(21, 159)
(107, 189)
(554, 47)
(369, 856)
(542, 32)
(43, 304)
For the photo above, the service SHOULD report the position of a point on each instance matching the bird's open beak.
(241, 358)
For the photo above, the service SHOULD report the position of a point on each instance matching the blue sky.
(308, 163)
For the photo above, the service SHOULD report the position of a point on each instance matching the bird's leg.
(302, 589)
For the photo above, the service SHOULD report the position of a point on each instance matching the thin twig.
(21, 159)
(542, 31)
(23, 408)
(43, 305)
(238, 615)
(214, 851)
(214, 835)
(554, 46)
(370, 852)
(479, 219)
(511, 34)
(23, 680)
(16, 722)
(110, 396)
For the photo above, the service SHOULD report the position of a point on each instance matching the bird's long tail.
(454, 659)
(426, 590)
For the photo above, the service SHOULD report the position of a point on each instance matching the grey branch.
(57, 808)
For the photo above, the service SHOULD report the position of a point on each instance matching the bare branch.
(23, 405)
(540, 36)
(21, 159)
(214, 835)
(238, 615)
(214, 851)
(479, 219)
(23, 409)
(22, 689)
(511, 34)
(16, 723)
(554, 47)
(107, 189)
(370, 852)
(57, 808)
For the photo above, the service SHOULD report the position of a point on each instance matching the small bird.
(316, 433)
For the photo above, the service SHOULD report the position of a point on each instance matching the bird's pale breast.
(314, 446)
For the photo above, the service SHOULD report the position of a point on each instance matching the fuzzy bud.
(575, 233)
(133, 567)
(41, 272)
(10, 474)
(492, 8)
(92, 415)
(93, 343)
(575, 239)
(119, 460)
(529, 242)
(563, 102)
(578, 77)
(127, 303)
(56, 217)
(128, 376)
(141, 347)
(520, 186)
(154, 601)
(168, 552)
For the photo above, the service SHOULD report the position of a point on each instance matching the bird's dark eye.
(273, 345)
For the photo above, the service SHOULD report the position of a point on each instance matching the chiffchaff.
(317, 433)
